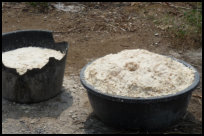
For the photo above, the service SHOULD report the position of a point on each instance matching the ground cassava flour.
(138, 73)
(27, 58)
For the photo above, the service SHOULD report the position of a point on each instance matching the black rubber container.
(148, 114)
(35, 85)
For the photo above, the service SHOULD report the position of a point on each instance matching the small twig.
(61, 32)
(66, 31)
(124, 46)
(199, 101)
(112, 25)
(122, 29)
(194, 95)
(93, 27)
(171, 5)
(197, 13)
(18, 7)
(196, 65)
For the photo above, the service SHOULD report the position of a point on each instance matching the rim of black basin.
(127, 99)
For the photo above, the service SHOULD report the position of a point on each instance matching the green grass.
(41, 6)
(190, 23)
(186, 25)
(181, 33)
(194, 19)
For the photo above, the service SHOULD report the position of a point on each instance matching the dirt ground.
(95, 31)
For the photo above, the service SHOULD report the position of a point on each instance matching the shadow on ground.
(50, 108)
(94, 125)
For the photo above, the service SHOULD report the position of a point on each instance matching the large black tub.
(147, 114)
(35, 85)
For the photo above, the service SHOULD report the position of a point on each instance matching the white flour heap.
(138, 73)
(27, 58)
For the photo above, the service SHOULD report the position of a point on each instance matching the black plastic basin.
(35, 85)
(149, 114)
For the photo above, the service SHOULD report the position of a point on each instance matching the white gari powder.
(27, 58)
(138, 73)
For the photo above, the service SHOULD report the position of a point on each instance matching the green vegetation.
(194, 18)
(185, 23)
(41, 6)
(181, 33)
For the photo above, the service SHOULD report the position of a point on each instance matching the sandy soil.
(92, 33)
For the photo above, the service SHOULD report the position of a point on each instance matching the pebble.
(74, 116)
(180, 52)
(69, 114)
(32, 121)
(156, 43)
(23, 107)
